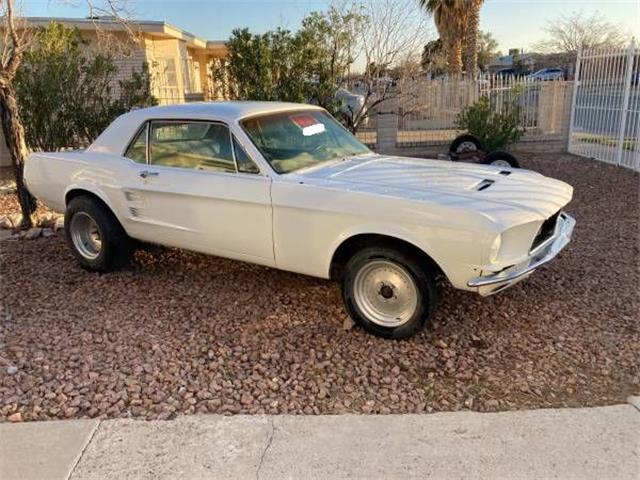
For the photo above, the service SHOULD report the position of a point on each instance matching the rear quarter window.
(137, 150)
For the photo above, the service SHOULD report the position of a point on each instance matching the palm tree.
(471, 36)
(450, 18)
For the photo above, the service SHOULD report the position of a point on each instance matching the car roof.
(118, 135)
(222, 110)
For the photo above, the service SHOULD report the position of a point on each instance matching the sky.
(513, 23)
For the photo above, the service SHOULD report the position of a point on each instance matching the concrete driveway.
(598, 443)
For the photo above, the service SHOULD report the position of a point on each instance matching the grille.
(546, 230)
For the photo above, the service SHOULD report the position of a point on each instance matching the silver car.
(547, 74)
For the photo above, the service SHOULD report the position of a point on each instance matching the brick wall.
(134, 61)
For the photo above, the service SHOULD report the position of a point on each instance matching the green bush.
(306, 66)
(495, 127)
(66, 93)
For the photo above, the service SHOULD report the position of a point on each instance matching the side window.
(245, 164)
(196, 145)
(137, 150)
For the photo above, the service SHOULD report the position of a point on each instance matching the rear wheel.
(465, 143)
(388, 292)
(94, 235)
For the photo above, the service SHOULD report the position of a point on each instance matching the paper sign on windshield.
(308, 124)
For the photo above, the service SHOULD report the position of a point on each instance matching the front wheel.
(388, 293)
(500, 158)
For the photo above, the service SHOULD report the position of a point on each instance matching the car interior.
(196, 145)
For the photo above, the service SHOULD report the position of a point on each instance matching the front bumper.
(494, 282)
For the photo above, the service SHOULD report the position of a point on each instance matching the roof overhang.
(146, 28)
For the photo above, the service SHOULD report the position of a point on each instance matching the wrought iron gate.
(605, 111)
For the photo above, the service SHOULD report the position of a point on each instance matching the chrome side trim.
(560, 239)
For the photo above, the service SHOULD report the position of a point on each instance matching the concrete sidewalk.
(598, 443)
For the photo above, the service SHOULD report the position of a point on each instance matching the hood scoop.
(483, 185)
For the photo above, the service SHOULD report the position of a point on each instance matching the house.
(517, 59)
(180, 62)
(526, 63)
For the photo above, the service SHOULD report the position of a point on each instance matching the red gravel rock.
(15, 417)
(181, 333)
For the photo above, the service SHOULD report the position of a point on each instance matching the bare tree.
(568, 33)
(389, 45)
(15, 43)
(17, 38)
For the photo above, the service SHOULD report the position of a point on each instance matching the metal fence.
(428, 108)
(605, 120)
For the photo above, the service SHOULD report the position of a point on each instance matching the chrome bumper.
(501, 280)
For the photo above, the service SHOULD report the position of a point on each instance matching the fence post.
(387, 126)
(625, 101)
(576, 83)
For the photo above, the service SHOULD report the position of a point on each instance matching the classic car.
(286, 186)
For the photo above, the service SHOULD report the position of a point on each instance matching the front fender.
(393, 231)
(458, 265)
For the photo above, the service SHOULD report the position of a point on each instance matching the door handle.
(147, 173)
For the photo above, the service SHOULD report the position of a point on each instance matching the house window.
(167, 80)
(191, 76)
(167, 68)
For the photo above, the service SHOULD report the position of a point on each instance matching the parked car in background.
(547, 74)
(506, 72)
(352, 104)
(286, 186)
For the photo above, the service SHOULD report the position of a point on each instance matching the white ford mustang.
(284, 185)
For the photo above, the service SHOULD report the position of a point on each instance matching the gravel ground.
(178, 333)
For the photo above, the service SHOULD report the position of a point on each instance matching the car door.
(199, 190)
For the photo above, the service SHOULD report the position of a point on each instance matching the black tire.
(423, 278)
(458, 143)
(116, 246)
(500, 155)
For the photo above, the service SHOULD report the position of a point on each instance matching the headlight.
(495, 248)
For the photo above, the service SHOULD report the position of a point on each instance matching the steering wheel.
(319, 147)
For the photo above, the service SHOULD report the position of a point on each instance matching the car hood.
(487, 189)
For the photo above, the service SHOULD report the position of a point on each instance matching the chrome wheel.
(466, 147)
(385, 293)
(85, 235)
(500, 163)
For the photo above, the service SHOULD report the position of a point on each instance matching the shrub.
(304, 66)
(66, 95)
(496, 128)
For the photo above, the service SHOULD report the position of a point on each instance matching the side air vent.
(484, 184)
(505, 172)
(131, 196)
(135, 212)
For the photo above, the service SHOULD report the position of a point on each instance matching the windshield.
(293, 140)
